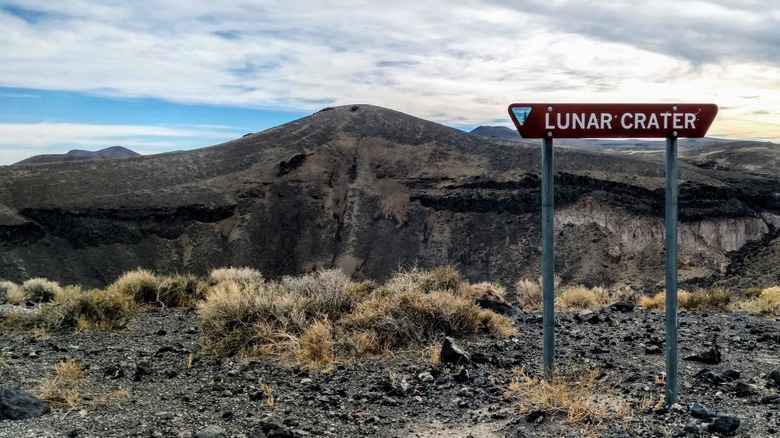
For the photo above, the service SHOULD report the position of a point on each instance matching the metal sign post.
(548, 261)
(671, 271)
(588, 120)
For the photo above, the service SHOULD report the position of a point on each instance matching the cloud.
(19, 141)
(453, 62)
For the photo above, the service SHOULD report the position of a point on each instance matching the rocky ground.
(151, 380)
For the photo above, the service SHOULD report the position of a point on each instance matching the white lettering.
(593, 121)
(547, 124)
(606, 120)
(652, 121)
(666, 119)
(623, 123)
(639, 118)
(578, 119)
(690, 119)
(564, 125)
(677, 121)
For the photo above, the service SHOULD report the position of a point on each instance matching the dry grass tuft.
(580, 297)
(704, 299)
(657, 301)
(577, 394)
(180, 290)
(238, 275)
(37, 290)
(767, 303)
(485, 291)
(238, 316)
(140, 284)
(415, 279)
(268, 393)
(316, 345)
(529, 292)
(113, 397)
(701, 299)
(63, 385)
(8, 291)
(326, 292)
(97, 309)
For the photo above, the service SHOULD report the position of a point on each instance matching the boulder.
(452, 353)
(16, 404)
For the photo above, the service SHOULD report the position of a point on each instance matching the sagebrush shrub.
(237, 316)
(39, 290)
(767, 303)
(9, 291)
(180, 290)
(239, 275)
(101, 309)
(316, 344)
(580, 297)
(326, 292)
(141, 284)
(486, 291)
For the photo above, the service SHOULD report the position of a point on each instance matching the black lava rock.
(16, 404)
(711, 356)
(699, 410)
(724, 423)
(452, 353)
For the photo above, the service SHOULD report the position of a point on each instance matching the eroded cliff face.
(724, 234)
(370, 190)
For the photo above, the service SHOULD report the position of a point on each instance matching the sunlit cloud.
(458, 63)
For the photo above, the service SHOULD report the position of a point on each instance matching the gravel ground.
(151, 380)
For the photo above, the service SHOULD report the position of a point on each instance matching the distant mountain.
(109, 153)
(497, 132)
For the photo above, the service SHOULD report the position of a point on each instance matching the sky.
(158, 76)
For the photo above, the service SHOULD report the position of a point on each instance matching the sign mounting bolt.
(674, 133)
(549, 133)
(549, 108)
(674, 108)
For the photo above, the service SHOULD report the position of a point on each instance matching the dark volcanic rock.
(711, 356)
(500, 308)
(16, 404)
(623, 306)
(774, 378)
(452, 353)
(699, 410)
(724, 423)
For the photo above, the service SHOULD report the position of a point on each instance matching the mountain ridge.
(109, 153)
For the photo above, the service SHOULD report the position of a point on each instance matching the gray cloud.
(699, 32)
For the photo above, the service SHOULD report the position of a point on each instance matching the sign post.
(548, 261)
(635, 120)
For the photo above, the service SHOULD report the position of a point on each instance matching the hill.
(109, 153)
(496, 132)
(367, 189)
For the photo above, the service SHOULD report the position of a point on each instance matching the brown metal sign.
(627, 120)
